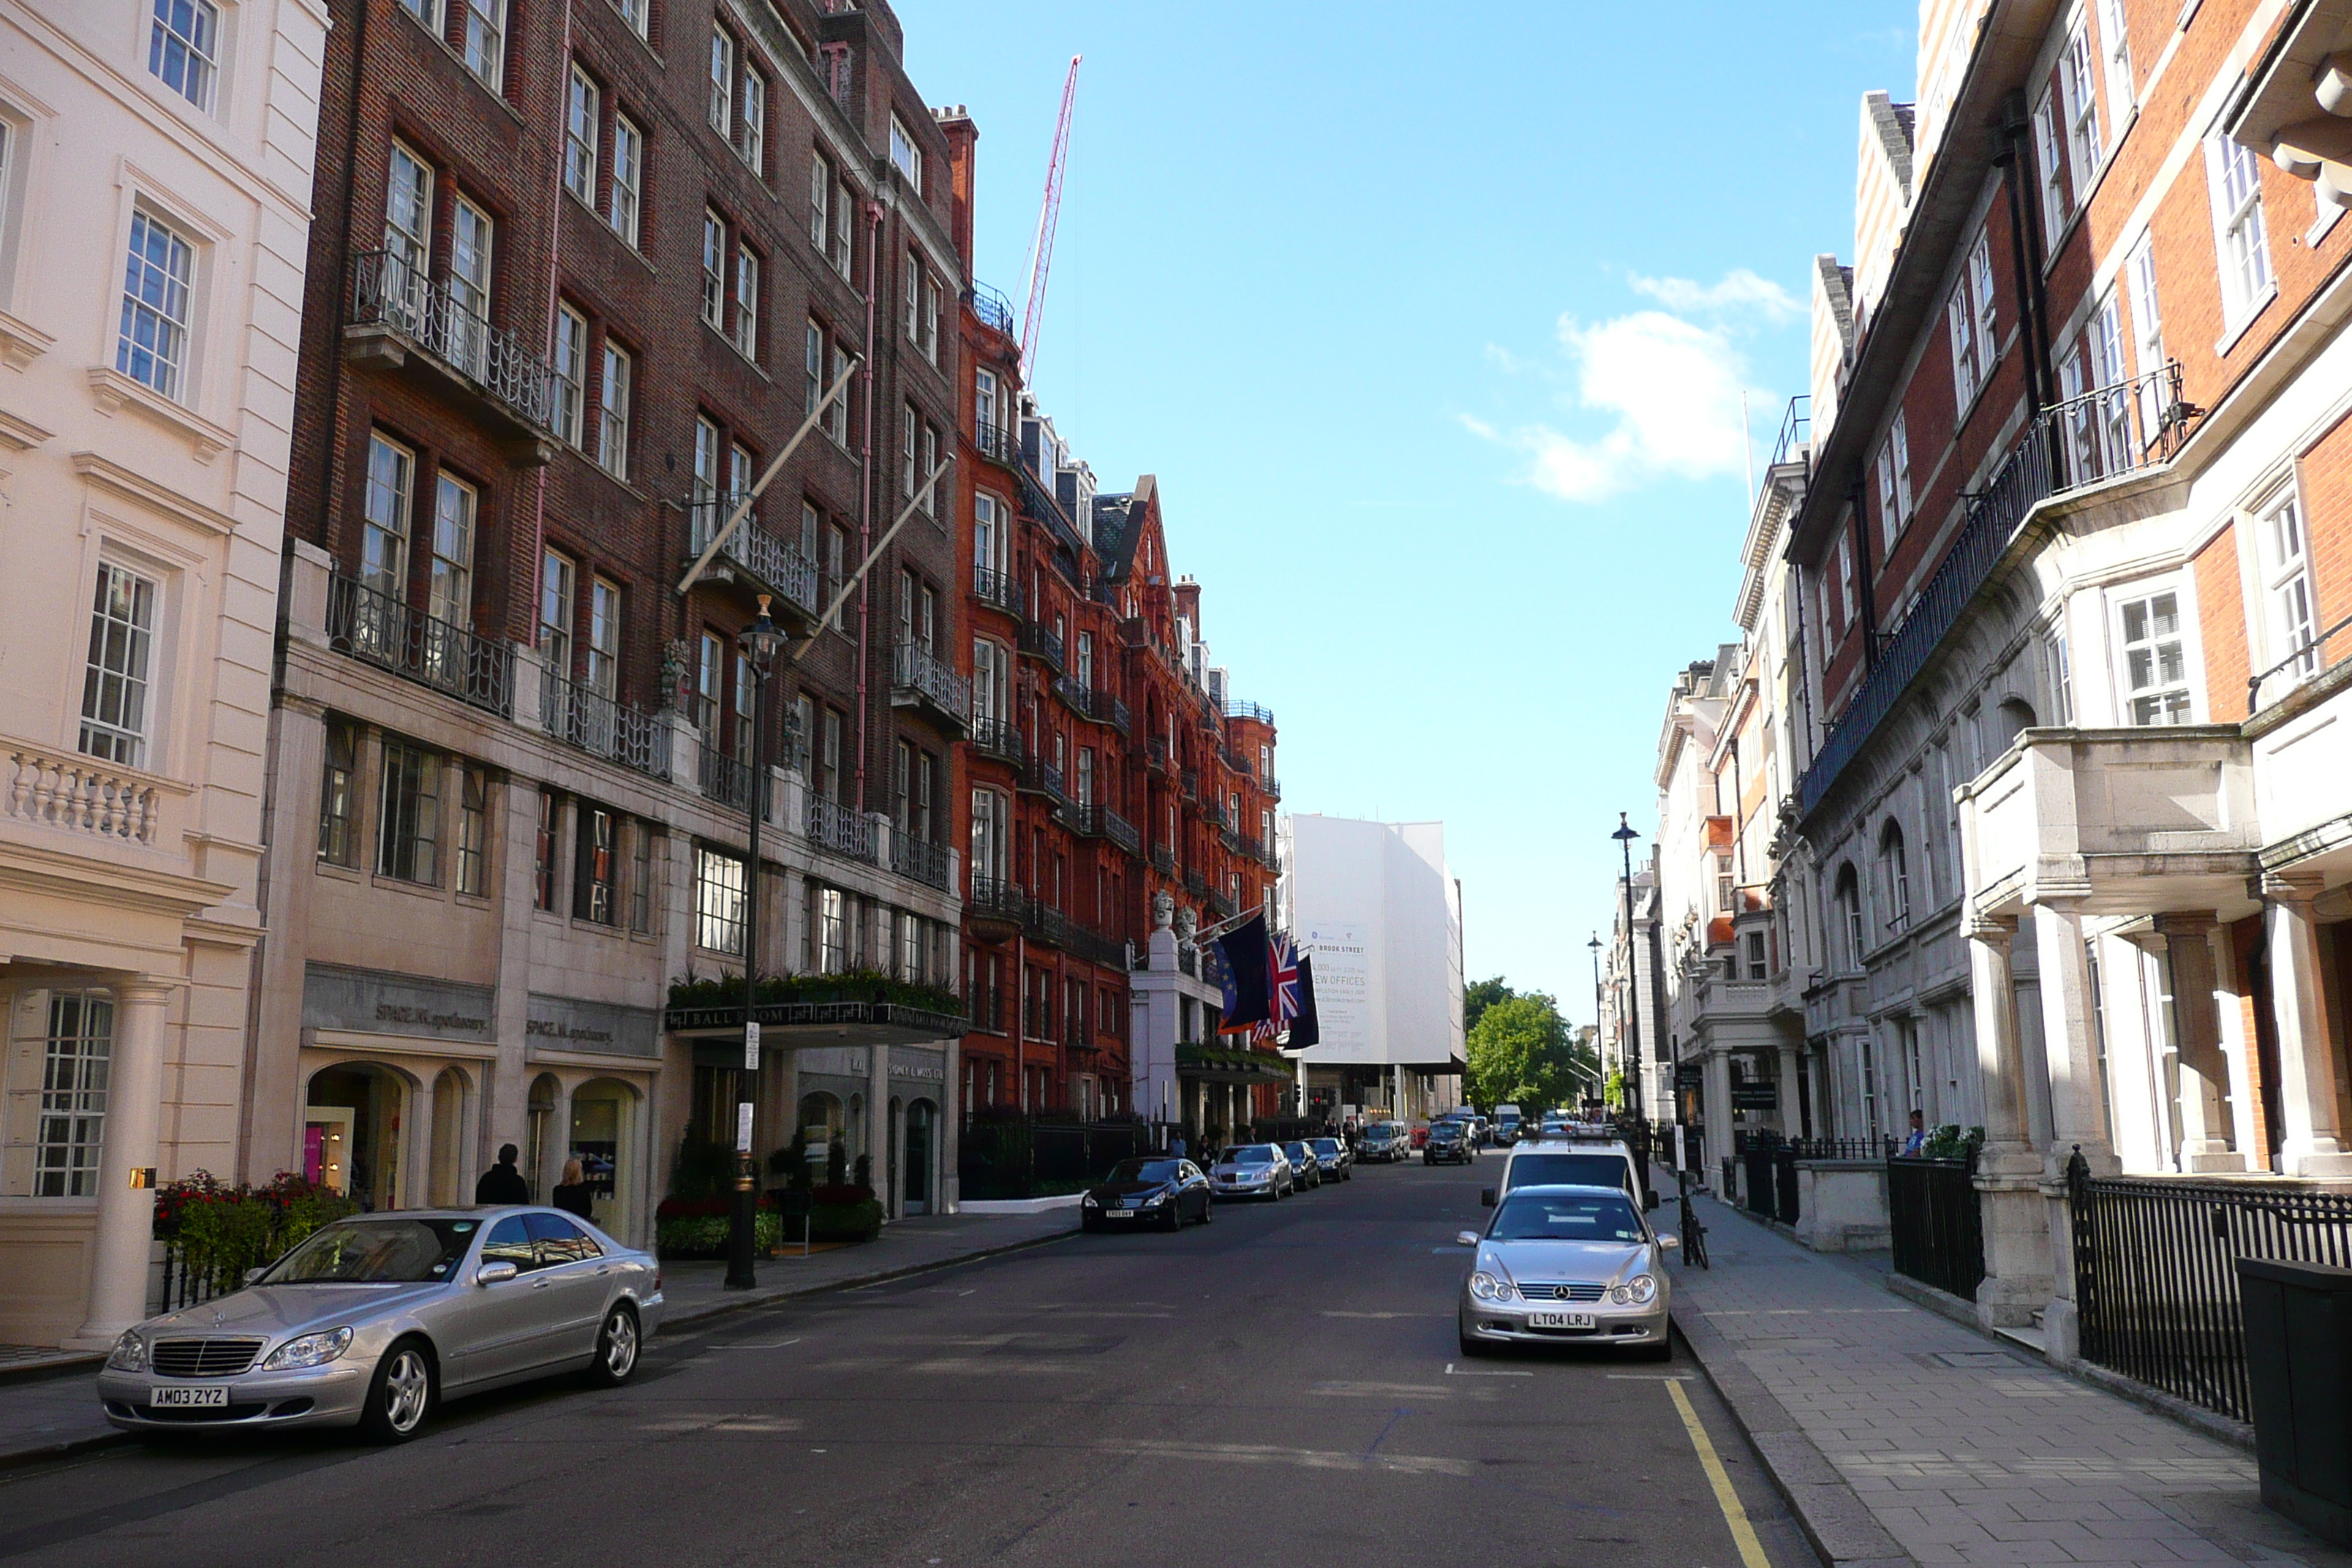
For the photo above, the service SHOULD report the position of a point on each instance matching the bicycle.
(1693, 1234)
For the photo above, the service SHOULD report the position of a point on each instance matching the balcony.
(1041, 642)
(1072, 693)
(1102, 822)
(921, 862)
(82, 795)
(727, 782)
(995, 909)
(922, 680)
(2136, 821)
(1105, 708)
(1196, 884)
(998, 739)
(404, 321)
(376, 628)
(1238, 763)
(1163, 860)
(1155, 755)
(833, 826)
(1039, 776)
(1221, 906)
(991, 308)
(1256, 712)
(1230, 839)
(998, 590)
(1212, 812)
(2102, 436)
(1051, 927)
(1272, 785)
(998, 443)
(596, 723)
(1188, 782)
(773, 567)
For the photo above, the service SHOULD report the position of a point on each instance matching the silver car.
(1566, 1265)
(371, 1321)
(1252, 1171)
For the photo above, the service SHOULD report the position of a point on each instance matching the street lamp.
(1598, 1061)
(1626, 837)
(759, 641)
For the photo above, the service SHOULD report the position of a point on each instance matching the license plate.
(189, 1399)
(1560, 1320)
(1120, 1213)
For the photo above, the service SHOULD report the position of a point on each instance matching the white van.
(1572, 1162)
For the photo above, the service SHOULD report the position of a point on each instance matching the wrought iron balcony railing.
(1195, 884)
(918, 673)
(781, 569)
(1237, 709)
(1000, 589)
(998, 444)
(1272, 785)
(388, 292)
(1098, 821)
(910, 857)
(1190, 783)
(372, 626)
(1105, 708)
(1041, 642)
(832, 826)
(1042, 777)
(2102, 435)
(727, 781)
(1253, 846)
(998, 739)
(996, 897)
(596, 723)
(1212, 812)
(1163, 860)
(1072, 692)
(1221, 906)
(1155, 754)
(995, 312)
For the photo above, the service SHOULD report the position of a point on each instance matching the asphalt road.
(1280, 1387)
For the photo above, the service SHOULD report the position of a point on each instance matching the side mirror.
(1486, 1196)
(495, 1273)
(253, 1274)
(1649, 1202)
(1466, 1238)
(1670, 1244)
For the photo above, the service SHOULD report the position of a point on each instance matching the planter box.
(1842, 1206)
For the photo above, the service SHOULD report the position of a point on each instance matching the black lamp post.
(1626, 837)
(759, 641)
(1600, 1064)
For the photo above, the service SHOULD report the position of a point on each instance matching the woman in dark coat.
(572, 1192)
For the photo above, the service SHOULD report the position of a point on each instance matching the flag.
(1281, 980)
(1306, 1029)
(1245, 952)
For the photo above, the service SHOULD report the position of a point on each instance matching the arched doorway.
(546, 1093)
(446, 1181)
(601, 1138)
(352, 1132)
(821, 1123)
(922, 1143)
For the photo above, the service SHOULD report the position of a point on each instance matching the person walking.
(502, 1183)
(572, 1194)
(1916, 1143)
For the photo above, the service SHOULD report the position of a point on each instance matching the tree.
(1520, 1054)
(1481, 994)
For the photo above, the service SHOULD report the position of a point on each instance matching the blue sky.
(1433, 326)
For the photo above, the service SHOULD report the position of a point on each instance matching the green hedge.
(705, 1235)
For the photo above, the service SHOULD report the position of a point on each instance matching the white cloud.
(1737, 290)
(1673, 387)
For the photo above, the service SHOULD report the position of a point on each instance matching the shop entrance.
(352, 1132)
(922, 1124)
(599, 1118)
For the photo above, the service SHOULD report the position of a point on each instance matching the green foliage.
(777, 990)
(705, 1235)
(1614, 1093)
(705, 1168)
(1520, 1054)
(1948, 1143)
(223, 1230)
(1481, 994)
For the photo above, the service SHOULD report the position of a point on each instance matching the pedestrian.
(572, 1193)
(1176, 1147)
(1917, 1143)
(502, 1183)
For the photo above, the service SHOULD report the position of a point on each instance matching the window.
(1894, 878)
(930, 487)
(1757, 967)
(2148, 335)
(902, 786)
(1895, 483)
(409, 824)
(2096, 417)
(555, 613)
(747, 697)
(407, 225)
(1726, 886)
(1086, 665)
(2156, 660)
(1845, 579)
(338, 796)
(722, 79)
(829, 759)
(1973, 325)
(1849, 907)
(750, 136)
(836, 424)
(604, 636)
(820, 214)
(485, 47)
(594, 867)
(551, 817)
(911, 948)
(1085, 775)
(714, 271)
(910, 425)
(812, 367)
(628, 177)
(570, 373)
(747, 303)
(2114, 48)
(905, 155)
(718, 902)
(613, 430)
(989, 818)
(983, 400)
(641, 878)
(2286, 588)
(114, 679)
(427, 11)
(473, 832)
(468, 338)
(2233, 175)
(581, 121)
(832, 931)
(2062, 679)
(183, 48)
(707, 678)
(154, 346)
(384, 527)
(635, 13)
(845, 211)
(922, 309)
(75, 1060)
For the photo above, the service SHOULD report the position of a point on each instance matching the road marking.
(1649, 1378)
(774, 1345)
(1743, 1535)
(1453, 1371)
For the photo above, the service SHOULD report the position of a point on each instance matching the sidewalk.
(1903, 1437)
(46, 1416)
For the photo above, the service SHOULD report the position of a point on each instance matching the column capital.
(1990, 927)
(156, 988)
(2297, 887)
(2191, 923)
(307, 707)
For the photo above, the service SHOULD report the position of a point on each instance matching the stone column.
(2206, 1142)
(2016, 1236)
(272, 1114)
(951, 1130)
(134, 1114)
(415, 1190)
(2314, 1145)
(1716, 1107)
(878, 1123)
(1791, 1125)
(2077, 1112)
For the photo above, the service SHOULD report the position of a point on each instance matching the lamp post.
(1599, 1062)
(759, 641)
(1626, 837)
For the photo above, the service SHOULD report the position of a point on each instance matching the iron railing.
(2156, 1277)
(1044, 778)
(2303, 663)
(388, 291)
(1101, 821)
(1155, 754)
(995, 896)
(1001, 589)
(1043, 642)
(999, 739)
(1212, 812)
(1845, 1148)
(2099, 436)
(910, 857)
(780, 568)
(995, 312)
(1938, 1223)
(1272, 785)
(1073, 693)
(727, 781)
(1196, 884)
(832, 826)
(596, 723)
(1237, 709)
(917, 669)
(998, 443)
(1163, 860)
(372, 626)
(1796, 429)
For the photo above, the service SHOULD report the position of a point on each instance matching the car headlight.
(1642, 1288)
(1155, 1199)
(308, 1350)
(1088, 1202)
(1490, 1287)
(130, 1352)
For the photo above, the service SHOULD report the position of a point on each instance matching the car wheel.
(401, 1395)
(617, 1343)
(1175, 1218)
(1208, 1208)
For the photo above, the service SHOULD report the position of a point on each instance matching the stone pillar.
(951, 1130)
(126, 1211)
(1717, 1110)
(2016, 1236)
(2077, 1111)
(415, 1190)
(272, 1114)
(878, 1123)
(506, 1093)
(2236, 1017)
(2206, 1139)
(2314, 1145)
(1791, 1125)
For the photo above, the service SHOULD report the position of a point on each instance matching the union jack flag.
(1282, 980)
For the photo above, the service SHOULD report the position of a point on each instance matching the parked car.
(1382, 1141)
(1507, 1123)
(1302, 1159)
(1252, 1171)
(374, 1320)
(1449, 1141)
(1165, 1192)
(1566, 1264)
(1602, 1161)
(1332, 1158)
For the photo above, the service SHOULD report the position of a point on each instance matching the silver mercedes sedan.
(371, 1321)
(1567, 1265)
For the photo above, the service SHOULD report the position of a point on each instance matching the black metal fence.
(185, 1281)
(2156, 1277)
(1026, 1157)
(1937, 1224)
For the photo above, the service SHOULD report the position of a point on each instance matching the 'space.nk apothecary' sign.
(568, 1023)
(374, 1002)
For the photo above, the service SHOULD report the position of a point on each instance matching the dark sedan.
(1301, 1156)
(1332, 1156)
(1165, 1192)
(1449, 1141)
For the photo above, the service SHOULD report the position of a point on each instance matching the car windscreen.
(1325, 1145)
(1446, 1130)
(376, 1252)
(1295, 1150)
(1249, 1155)
(1552, 1216)
(1143, 1170)
(1570, 1171)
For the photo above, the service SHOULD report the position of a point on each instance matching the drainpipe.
(2028, 247)
(866, 492)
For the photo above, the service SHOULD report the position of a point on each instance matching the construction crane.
(1041, 255)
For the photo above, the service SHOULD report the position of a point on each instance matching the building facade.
(155, 188)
